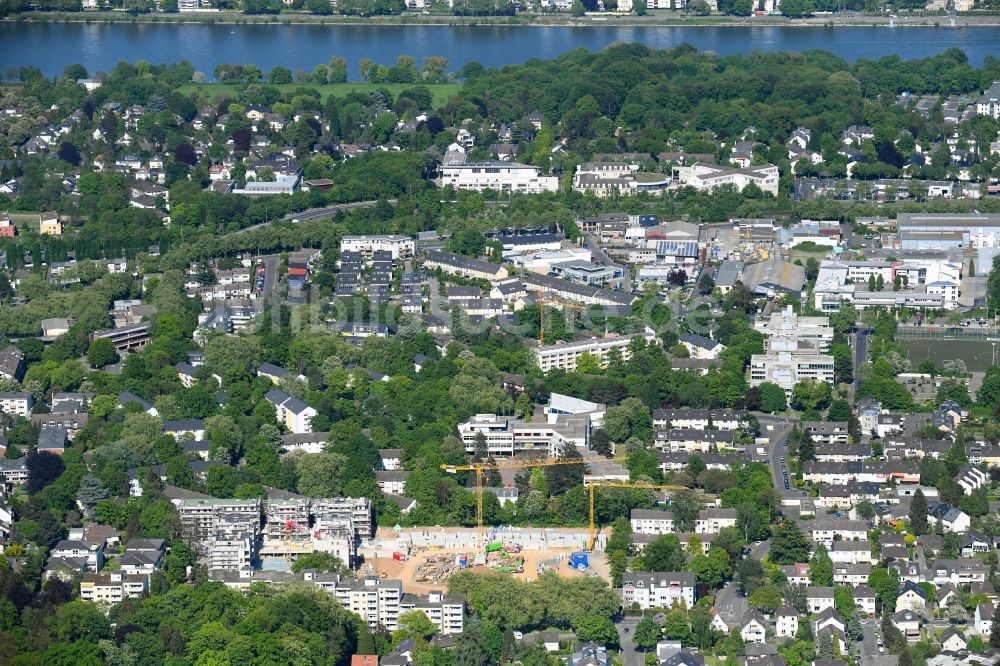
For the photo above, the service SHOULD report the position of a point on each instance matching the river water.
(98, 46)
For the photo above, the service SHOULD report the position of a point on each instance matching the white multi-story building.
(692, 441)
(703, 176)
(989, 103)
(607, 179)
(400, 247)
(445, 611)
(652, 521)
(294, 413)
(786, 325)
(658, 589)
(564, 355)
(786, 622)
(786, 369)
(505, 436)
(376, 600)
(112, 588)
(17, 403)
(499, 176)
(698, 419)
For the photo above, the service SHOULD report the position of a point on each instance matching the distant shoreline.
(654, 20)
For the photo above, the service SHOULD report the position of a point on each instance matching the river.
(98, 46)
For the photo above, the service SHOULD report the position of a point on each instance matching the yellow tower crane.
(480, 467)
(617, 484)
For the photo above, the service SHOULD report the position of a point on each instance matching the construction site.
(424, 559)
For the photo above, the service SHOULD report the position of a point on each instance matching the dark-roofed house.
(12, 363)
(699, 346)
(953, 640)
(658, 589)
(127, 397)
(294, 413)
(466, 267)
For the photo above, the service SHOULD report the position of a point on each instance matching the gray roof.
(774, 274)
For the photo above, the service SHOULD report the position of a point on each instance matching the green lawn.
(440, 91)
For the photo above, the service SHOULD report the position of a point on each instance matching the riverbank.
(655, 19)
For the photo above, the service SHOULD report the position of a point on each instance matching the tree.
(821, 568)
(599, 629)
(713, 568)
(685, 510)
(320, 474)
(766, 599)
(647, 634)
(664, 554)
(840, 410)
(91, 492)
(676, 627)
(995, 628)
(788, 544)
(705, 282)
(918, 514)
(578, 8)
(321, 562)
(886, 586)
(102, 352)
(233, 358)
(601, 443)
(69, 153)
(413, 624)
(772, 398)
(749, 575)
(469, 646)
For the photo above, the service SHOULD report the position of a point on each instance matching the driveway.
(626, 630)
(869, 645)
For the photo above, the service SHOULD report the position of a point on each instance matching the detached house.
(983, 621)
(787, 622)
(908, 624)
(911, 597)
(753, 627)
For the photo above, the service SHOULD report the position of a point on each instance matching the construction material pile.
(435, 569)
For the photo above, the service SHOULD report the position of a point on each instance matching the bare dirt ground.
(407, 571)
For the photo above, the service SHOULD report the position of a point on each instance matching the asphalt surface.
(869, 644)
(312, 214)
(860, 354)
(270, 281)
(317, 213)
(777, 429)
(626, 630)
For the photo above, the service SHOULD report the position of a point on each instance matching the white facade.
(400, 247)
(564, 355)
(786, 369)
(658, 590)
(703, 176)
(16, 403)
(499, 176)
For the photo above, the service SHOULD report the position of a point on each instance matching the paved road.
(860, 354)
(780, 427)
(869, 644)
(600, 256)
(270, 281)
(313, 214)
(626, 630)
